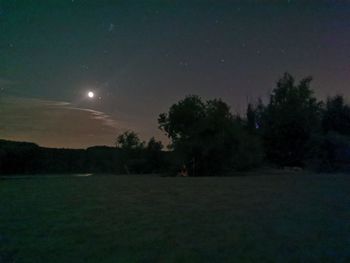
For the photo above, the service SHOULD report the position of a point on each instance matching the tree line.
(29, 158)
(291, 129)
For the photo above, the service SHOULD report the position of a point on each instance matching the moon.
(91, 94)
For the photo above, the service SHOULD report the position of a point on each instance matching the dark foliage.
(334, 150)
(336, 117)
(289, 121)
(29, 158)
(207, 138)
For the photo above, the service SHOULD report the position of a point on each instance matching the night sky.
(139, 57)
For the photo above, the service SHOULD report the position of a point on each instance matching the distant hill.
(29, 158)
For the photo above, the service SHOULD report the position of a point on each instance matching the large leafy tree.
(205, 136)
(335, 144)
(137, 156)
(130, 149)
(289, 121)
(336, 117)
(129, 140)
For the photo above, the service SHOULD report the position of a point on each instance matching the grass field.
(266, 218)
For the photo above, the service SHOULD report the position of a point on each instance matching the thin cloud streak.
(56, 123)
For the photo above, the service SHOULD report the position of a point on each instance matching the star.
(183, 63)
(111, 27)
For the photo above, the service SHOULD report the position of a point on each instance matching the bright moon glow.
(91, 94)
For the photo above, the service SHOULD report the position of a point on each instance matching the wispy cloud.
(55, 123)
(97, 115)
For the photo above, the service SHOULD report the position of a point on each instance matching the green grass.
(266, 218)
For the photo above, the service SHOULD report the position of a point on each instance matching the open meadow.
(262, 218)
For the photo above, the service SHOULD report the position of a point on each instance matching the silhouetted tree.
(131, 148)
(154, 155)
(129, 140)
(334, 150)
(205, 136)
(254, 118)
(289, 121)
(154, 146)
(251, 117)
(336, 117)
